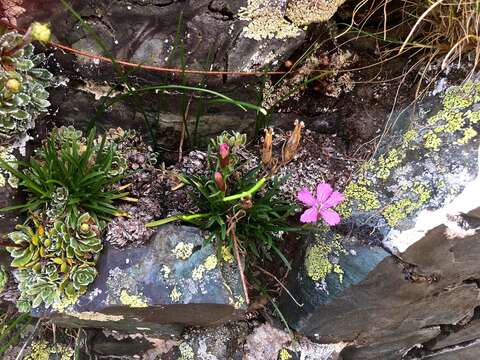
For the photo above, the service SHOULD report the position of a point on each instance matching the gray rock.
(171, 282)
(410, 246)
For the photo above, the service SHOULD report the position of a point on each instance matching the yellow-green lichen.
(399, 210)
(186, 351)
(387, 163)
(358, 191)
(227, 254)
(210, 262)
(432, 141)
(175, 295)
(473, 116)
(65, 302)
(284, 355)
(183, 251)
(468, 134)
(94, 316)
(266, 22)
(460, 97)
(133, 301)
(42, 350)
(317, 263)
(410, 136)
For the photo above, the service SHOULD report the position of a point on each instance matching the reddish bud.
(224, 151)
(220, 182)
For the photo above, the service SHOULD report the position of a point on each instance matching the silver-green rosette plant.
(55, 261)
(22, 85)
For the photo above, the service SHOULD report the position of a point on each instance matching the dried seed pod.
(220, 182)
(290, 148)
(267, 147)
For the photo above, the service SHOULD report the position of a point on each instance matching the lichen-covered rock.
(305, 12)
(403, 261)
(157, 288)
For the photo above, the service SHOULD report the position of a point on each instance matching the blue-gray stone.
(173, 281)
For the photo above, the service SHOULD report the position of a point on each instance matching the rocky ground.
(407, 248)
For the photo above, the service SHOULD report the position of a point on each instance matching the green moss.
(133, 301)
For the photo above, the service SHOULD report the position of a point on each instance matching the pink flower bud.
(224, 151)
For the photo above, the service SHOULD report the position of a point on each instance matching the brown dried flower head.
(290, 148)
(267, 147)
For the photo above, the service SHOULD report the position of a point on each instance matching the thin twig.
(29, 340)
(280, 283)
(239, 263)
(186, 115)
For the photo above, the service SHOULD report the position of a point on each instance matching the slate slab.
(173, 281)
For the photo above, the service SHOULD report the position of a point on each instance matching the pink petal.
(334, 199)
(309, 216)
(331, 217)
(323, 192)
(306, 197)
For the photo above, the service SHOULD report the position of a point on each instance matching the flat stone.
(171, 282)
(469, 352)
(468, 333)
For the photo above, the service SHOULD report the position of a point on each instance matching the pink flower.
(320, 205)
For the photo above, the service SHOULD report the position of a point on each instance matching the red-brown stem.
(240, 267)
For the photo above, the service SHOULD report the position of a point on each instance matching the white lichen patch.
(266, 21)
(95, 316)
(305, 12)
(183, 250)
(197, 273)
(175, 295)
(166, 271)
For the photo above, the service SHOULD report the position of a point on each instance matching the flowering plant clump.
(71, 183)
(239, 206)
(320, 205)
